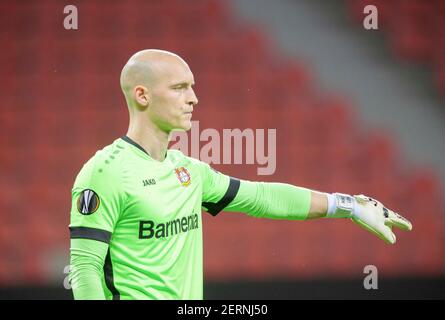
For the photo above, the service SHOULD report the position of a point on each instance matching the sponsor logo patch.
(149, 229)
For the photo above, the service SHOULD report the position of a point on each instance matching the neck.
(149, 137)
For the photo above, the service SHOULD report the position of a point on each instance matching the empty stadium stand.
(61, 102)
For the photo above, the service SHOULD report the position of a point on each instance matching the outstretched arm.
(285, 201)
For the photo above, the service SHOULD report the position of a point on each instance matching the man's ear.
(141, 96)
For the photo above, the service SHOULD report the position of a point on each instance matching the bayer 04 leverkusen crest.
(183, 176)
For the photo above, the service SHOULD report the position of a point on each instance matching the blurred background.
(356, 111)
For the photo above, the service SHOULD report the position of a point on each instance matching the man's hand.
(376, 218)
(368, 213)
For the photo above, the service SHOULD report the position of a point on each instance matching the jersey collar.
(132, 142)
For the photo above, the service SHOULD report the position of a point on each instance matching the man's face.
(172, 97)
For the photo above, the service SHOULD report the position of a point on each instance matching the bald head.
(145, 67)
(158, 85)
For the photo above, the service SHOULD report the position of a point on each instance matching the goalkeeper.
(136, 227)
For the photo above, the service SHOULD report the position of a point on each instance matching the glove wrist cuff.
(340, 205)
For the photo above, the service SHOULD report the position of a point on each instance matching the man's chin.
(184, 127)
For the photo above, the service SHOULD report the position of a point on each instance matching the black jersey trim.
(232, 190)
(90, 233)
(109, 277)
(130, 141)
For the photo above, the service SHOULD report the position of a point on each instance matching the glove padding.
(375, 217)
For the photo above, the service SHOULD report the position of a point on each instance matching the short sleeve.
(97, 202)
(218, 189)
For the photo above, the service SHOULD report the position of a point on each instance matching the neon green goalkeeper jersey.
(149, 213)
(136, 227)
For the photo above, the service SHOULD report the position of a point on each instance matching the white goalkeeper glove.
(368, 213)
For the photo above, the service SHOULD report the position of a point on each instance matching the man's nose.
(192, 100)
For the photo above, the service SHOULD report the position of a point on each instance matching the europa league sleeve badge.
(88, 202)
